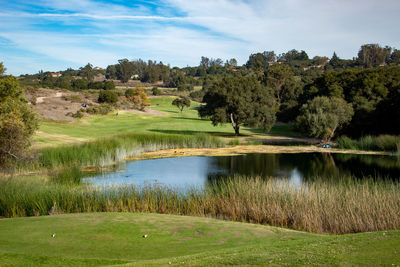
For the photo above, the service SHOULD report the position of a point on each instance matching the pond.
(180, 172)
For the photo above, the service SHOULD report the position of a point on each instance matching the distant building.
(56, 74)
(274, 62)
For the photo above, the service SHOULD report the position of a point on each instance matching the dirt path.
(41, 99)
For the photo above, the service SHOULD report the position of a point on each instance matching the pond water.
(181, 172)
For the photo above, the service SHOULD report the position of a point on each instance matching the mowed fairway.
(117, 238)
(171, 121)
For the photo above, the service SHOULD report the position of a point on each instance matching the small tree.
(108, 97)
(322, 116)
(17, 121)
(2, 69)
(181, 102)
(138, 97)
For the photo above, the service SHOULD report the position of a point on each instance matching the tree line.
(288, 82)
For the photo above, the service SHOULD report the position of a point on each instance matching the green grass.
(95, 239)
(174, 122)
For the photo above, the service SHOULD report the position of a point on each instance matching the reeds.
(104, 152)
(390, 143)
(347, 206)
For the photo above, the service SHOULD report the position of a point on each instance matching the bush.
(108, 97)
(197, 95)
(78, 115)
(185, 87)
(109, 85)
(102, 109)
(79, 84)
(156, 91)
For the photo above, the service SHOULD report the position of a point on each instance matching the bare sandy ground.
(246, 149)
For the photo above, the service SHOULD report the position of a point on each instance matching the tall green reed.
(390, 143)
(106, 151)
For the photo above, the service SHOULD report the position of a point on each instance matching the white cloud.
(102, 33)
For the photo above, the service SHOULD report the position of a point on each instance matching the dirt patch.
(58, 105)
(246, 149)
(148, 111)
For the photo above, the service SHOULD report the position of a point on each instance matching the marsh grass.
(347, 206)
(106, 151)
(70, 175)
(389, 143)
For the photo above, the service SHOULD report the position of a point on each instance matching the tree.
(138, 97)
(2, 69)
(17, 121)
(125, 70)
(257, 61)
(108, 97)
(181, 102)
(240, 100)
(286, 89)
(322, 116)
(269, 56)
(111, 72)
(232, 62)
(87, 72)
(79, 84)
(293, 55)
(395, 56)
(334, 61)
(371, 55)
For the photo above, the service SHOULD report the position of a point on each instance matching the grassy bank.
(323, 207)
(389, 143)
(99, 239)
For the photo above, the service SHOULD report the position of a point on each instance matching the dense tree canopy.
(372, 55)
(124, 70)
(365, 90)
(239, 100)
(322, 116)
(17, 121)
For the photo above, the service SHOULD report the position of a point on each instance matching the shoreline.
(247, 149)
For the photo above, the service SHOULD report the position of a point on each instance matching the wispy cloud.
(65, 33)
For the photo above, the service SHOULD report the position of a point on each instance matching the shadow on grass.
(194, 119)
(189, 132)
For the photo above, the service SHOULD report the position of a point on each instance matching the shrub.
(108, 97)
(156, 91)
(197, 95)
(102, 109)
(109, 85)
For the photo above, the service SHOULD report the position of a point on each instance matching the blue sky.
(55, 35)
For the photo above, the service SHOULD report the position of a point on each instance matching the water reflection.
(296, 168)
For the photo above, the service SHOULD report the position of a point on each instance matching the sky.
(53, 35)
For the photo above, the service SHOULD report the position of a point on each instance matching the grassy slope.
(116, 238)
(93, 127)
